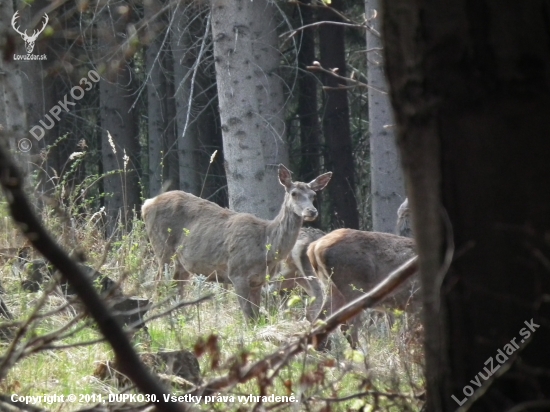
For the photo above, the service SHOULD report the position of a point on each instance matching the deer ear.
(320, 182)
(284, 176)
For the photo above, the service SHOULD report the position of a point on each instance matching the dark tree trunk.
(310, 129)
(185, 31)
(121, 185)
(336, 128)
(12, 113)
(171, 160)
(156, 92)
(470, 85)
(41, 91)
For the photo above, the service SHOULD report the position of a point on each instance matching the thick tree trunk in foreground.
(470, 85)
(336, 128)
(250, 93)
(387, 184)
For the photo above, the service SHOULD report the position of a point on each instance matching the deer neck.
(282, 231)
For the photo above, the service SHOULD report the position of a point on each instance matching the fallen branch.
(241, 374)
(21, 211)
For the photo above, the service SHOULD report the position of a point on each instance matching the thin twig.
(357, 83)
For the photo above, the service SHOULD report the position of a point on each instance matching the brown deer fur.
(297, 271)
(206, 239)
(352, 262)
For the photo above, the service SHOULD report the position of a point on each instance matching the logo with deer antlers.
(29, 40)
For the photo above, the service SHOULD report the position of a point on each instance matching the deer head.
(29, 40)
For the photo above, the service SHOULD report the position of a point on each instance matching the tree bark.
(121, 185)
(13, 111)
(470, 88)
(156, 93)
(41, 91)
(185, 51)
(171, 158)
(310, 128)
(336, 128)
(251, 100)
(387, 184)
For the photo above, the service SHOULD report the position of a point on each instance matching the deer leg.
(243, 289)
(334, 301)
(181, 276)
(351, 331)
(248, 291)
(313, 288)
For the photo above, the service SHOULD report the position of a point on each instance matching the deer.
(297, 271)
(351, 262)
(207, 239)
(29, 40)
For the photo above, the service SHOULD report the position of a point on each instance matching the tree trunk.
(171, 158)
(41, 91)
(251, 103)
(387, 184)
(336, 128)
(119, 119)
(156, 93)
(470, 88)
(13, 114)
(185, 51)
(310, 129)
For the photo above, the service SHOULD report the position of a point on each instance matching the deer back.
(355, 261)
(203, 235)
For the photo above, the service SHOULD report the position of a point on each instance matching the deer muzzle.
(309, 214)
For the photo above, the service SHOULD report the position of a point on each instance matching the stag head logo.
(29, 40)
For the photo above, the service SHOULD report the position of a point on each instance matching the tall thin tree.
(120, 144)
(387, 184)
(336, 127)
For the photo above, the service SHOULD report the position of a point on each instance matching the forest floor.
(59, 352)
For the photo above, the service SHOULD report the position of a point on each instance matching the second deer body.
(351, 262)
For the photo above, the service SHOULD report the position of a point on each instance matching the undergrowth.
(385, 373)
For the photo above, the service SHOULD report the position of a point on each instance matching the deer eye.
(293, 194)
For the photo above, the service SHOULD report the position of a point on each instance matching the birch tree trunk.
(387, 184)
(250, 93)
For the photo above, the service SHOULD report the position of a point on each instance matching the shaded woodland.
(443, 104)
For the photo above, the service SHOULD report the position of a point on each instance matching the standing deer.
(207, 239)
(352, 262)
